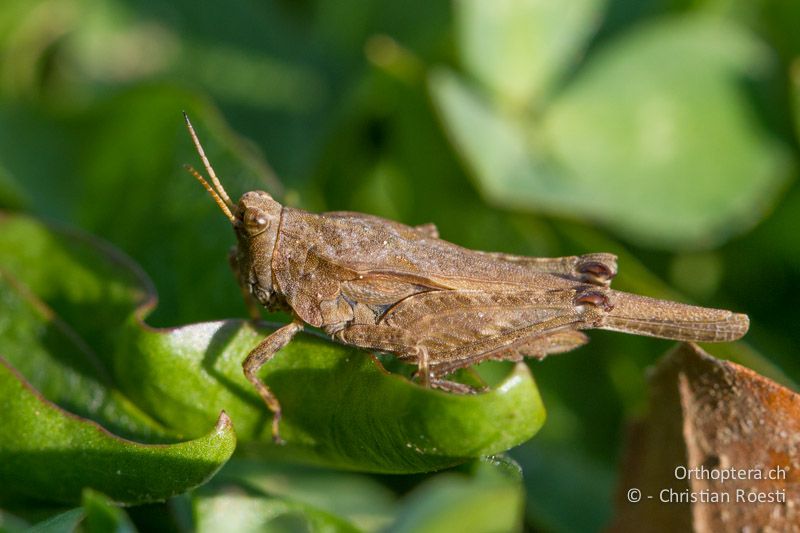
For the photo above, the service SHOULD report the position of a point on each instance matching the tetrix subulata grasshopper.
(381, 285)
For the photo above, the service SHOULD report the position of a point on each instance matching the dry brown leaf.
(717, 437)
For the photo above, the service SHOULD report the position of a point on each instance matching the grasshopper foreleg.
(249, 301)
(260, 355)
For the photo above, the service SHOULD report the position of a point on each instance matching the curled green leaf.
(49, 454)
(64, 298)
(340, 408)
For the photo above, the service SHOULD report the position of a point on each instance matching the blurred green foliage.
(664, 131)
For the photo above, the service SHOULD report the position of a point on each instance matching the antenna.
(213, 193)
(218, 188)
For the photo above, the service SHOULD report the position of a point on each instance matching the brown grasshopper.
(381, 285)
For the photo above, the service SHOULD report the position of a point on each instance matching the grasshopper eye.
(255, 221)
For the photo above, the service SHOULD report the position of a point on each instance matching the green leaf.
(65, 298)
(76, 170)
(64, 345)
(102, 516)
(339, 408)
(357, 499)
(10, 523)
(49, 454)
(77, 275)
(483, 495)
(673, 156)
(234, 508)
(682, 159)
(490, 499)
(519, 48)
(66, 521)
(505, 165)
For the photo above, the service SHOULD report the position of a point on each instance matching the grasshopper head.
(256, 213)
(255, 220)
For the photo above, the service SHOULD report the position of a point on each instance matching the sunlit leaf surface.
(49, 454)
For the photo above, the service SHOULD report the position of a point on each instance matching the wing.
(538, 346)
(329, 295)
(459, 327)
(369, 244)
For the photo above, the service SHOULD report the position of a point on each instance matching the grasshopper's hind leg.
(260, 355)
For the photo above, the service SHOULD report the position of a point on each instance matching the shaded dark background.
(350, 105)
